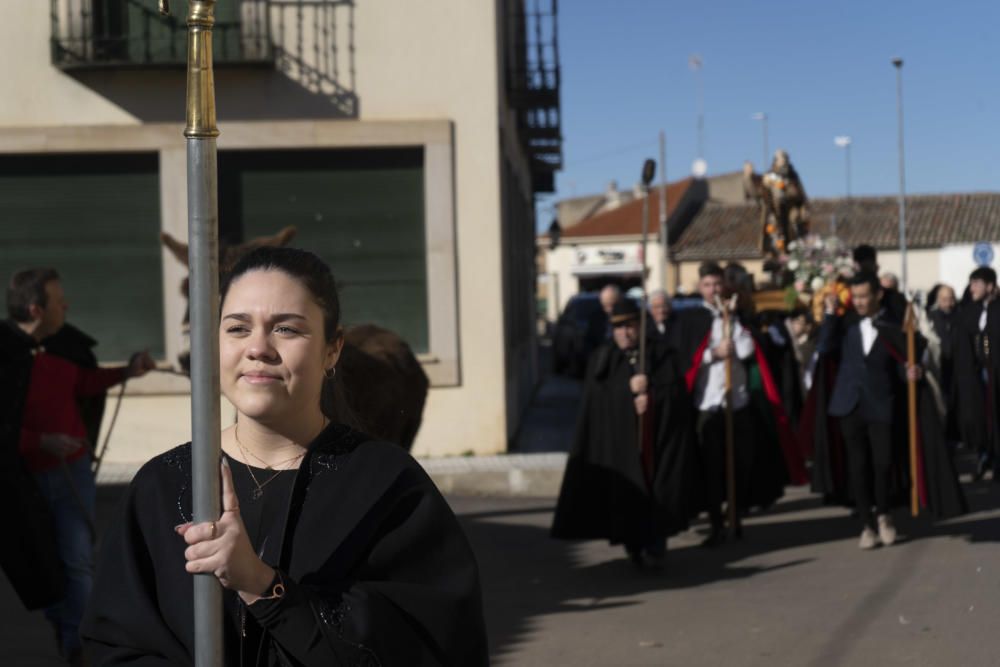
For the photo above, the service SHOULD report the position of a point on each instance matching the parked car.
(580, 329)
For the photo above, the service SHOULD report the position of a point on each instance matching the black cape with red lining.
(612, 490)
(939, 490)
(777, 457)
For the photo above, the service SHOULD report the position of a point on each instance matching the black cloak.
(376, 567)
(975, 399)
(776, 458)
(939, 490)
(610, 490)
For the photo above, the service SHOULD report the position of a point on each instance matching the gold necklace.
(259, 491)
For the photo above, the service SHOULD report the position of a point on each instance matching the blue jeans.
(75, 543)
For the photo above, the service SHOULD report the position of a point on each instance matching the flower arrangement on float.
(818, 266)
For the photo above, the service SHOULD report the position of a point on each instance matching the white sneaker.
(886, 531)
(868, 539)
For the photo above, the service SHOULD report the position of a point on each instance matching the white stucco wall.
(432, 60)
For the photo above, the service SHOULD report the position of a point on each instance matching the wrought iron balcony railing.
(122, 33)
(533, 83)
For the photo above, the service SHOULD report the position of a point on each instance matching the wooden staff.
(648, 170)
(727, 334)
(910, 327)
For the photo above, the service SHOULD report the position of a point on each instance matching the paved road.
(796, 591)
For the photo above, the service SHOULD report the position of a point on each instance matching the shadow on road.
(527, 575)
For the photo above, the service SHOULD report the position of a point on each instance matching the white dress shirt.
(710, 386)
(982, 319)
(868, 334)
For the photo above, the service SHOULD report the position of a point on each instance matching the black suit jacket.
(866, 382)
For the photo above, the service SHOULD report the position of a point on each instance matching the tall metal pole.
(664, 233)
(203, 239)
(695, 63)
(847, 154)
(762, 117)
(845, 143)
(898, 64)
(648, 171)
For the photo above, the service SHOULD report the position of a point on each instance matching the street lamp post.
(695, 63)
(845, 143)
(762, 117)
(898, 64)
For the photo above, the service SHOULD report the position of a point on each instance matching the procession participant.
(943, 314)
(42, 420)
(704, 351)
(868, 399)
(866, 261)
(974, 386)
(608, 297)
(660, 311)
(332, 547)
(777, 459)
(614, 489)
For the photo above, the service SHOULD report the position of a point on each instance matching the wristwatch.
(275, 590)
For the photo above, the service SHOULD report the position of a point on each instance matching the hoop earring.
(330, 373)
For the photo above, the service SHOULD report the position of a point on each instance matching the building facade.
(404, 141)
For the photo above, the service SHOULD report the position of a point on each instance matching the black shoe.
(714, 539)
(982, 466)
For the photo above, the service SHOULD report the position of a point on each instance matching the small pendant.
(256, 493)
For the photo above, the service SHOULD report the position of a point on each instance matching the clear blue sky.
(818, 69)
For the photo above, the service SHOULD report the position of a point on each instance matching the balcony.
(533, 83)
(95, 34)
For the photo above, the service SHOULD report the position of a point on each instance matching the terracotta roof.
(733, 232)
(626, 220)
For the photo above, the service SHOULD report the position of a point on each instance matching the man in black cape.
(868, 400)
(616, 488)
(974, 379)
(766, 455)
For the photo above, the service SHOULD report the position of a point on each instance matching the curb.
(510, 475)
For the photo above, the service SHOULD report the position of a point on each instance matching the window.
(361, 210)
(95, 218)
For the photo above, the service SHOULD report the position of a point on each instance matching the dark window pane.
(95, 219)
(362, 211)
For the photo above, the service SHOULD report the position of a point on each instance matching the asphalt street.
(795, 591)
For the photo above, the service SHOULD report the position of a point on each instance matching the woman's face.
(272, 348)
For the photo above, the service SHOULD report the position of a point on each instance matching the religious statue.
(782, 201)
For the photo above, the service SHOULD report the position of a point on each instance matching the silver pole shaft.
(904, 283)
(847, 153)
(664, 235)
(203, 235)
(767, 152)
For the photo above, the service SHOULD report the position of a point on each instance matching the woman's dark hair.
(304, 266)
(315, 276)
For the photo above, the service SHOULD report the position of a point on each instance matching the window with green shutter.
(95, 218)
(360, 210)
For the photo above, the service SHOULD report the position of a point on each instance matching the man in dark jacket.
(42, 421)
(865, 399)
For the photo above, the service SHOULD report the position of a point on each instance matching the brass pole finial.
(200, 77)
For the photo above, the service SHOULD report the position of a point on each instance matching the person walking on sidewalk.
(41, 419)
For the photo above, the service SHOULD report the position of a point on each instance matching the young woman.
(333, 548)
